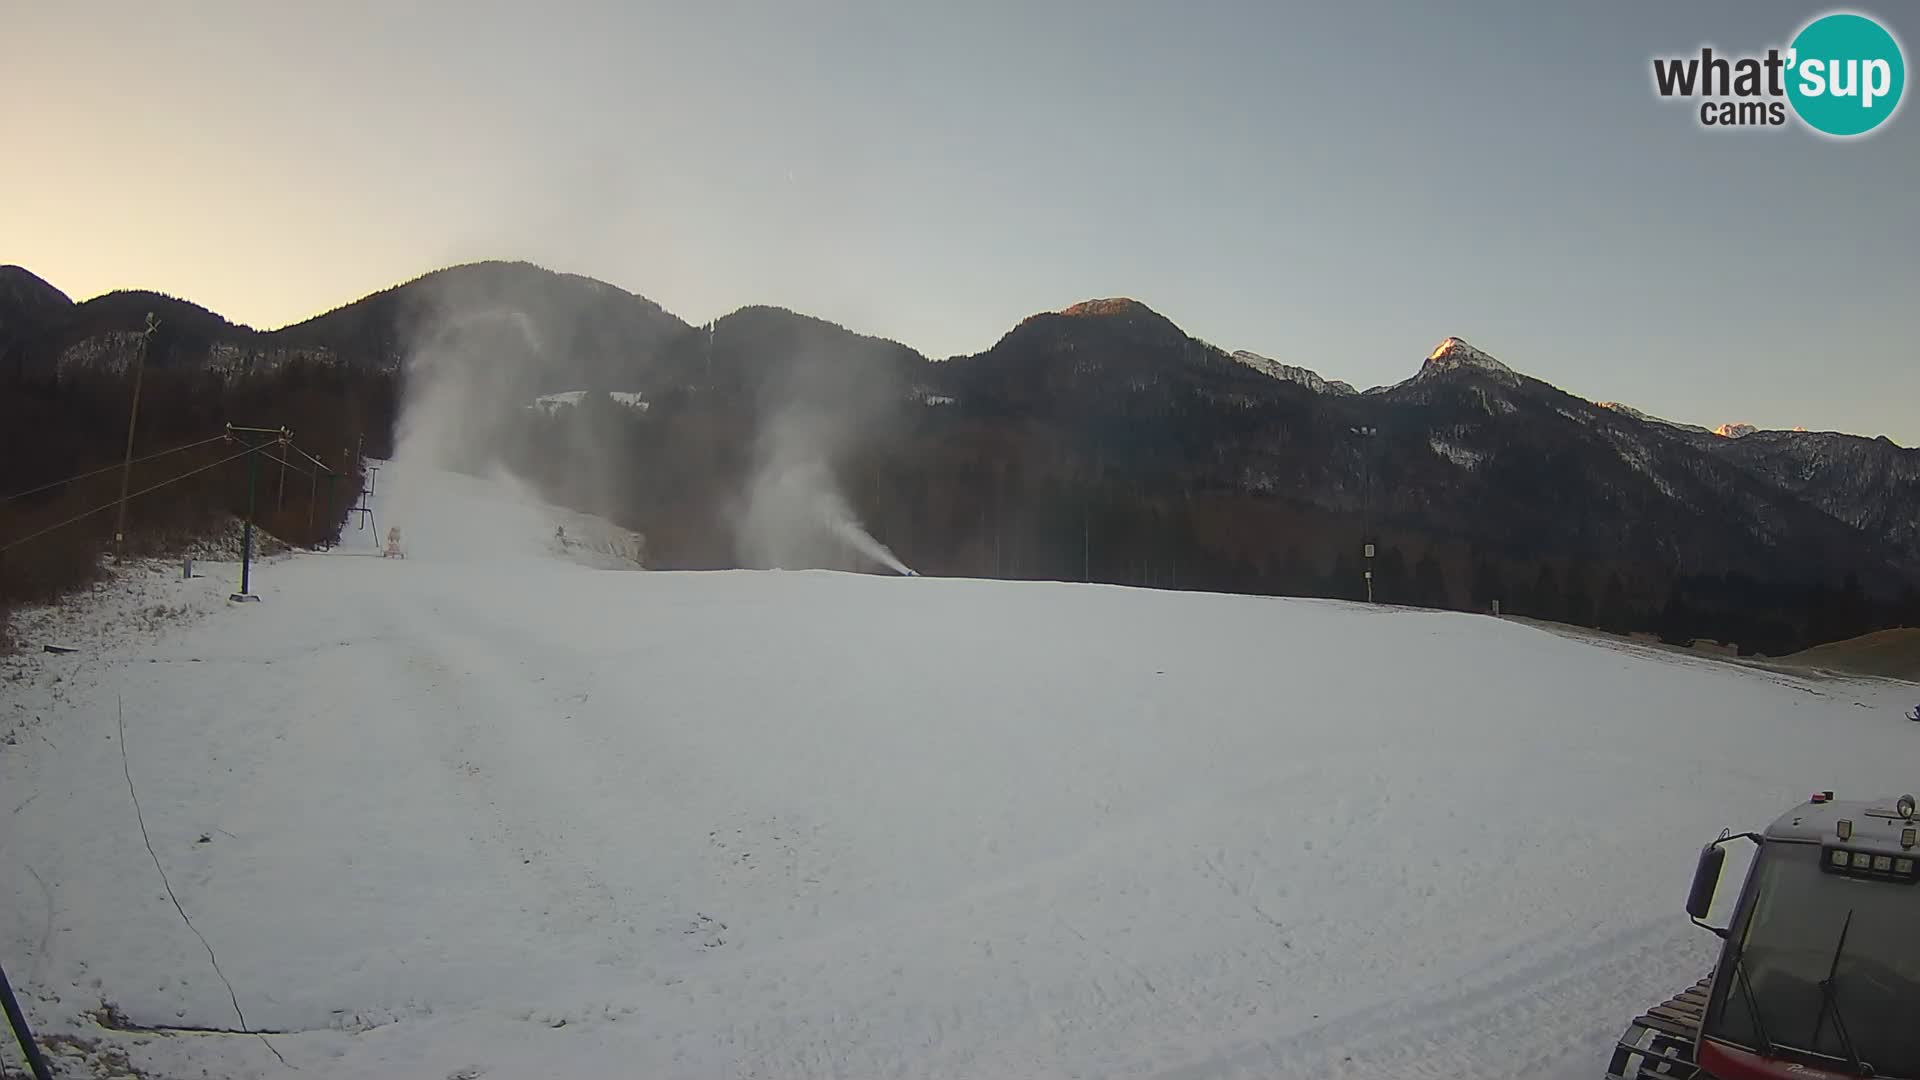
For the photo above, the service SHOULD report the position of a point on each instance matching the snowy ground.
(490, 811)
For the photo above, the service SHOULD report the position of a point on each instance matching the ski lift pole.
(246, 536)
(253, 476)
(22, 1032)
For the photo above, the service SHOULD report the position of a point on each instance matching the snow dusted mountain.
(1870, 484)
(1649, 418)
(1451, 354)
(1608, 480)
(1305, 377)
(1454, 354)
(1111, 405)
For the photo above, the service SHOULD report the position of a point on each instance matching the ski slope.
(490, 811)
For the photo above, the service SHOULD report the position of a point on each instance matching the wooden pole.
(133, 418)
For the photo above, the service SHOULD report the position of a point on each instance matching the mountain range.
(1266, 465)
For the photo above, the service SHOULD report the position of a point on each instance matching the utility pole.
(133, 418)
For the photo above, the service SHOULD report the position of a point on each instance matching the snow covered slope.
(1312, 380)
(490, 812)
(1649, 418)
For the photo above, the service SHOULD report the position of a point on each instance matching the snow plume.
(463, 373)
(793, 513)
(477, 349)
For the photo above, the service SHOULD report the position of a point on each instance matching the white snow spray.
(464, 370)
(840, 519)
(793, 513)
(795, 517)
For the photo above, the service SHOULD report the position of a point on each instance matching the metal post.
(330, 510)
(246, 536)
(23, 1033)
(1366, 436)
(133, 418)
(1366, 507)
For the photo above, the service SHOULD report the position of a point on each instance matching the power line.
(309, 457)
(126, 472)
(116, 502)
(120, 709)
(109, 468)
(303, 471)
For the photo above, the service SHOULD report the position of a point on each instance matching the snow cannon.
(909, 572)
(1820, 965)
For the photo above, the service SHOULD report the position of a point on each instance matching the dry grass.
(1887, 654)
(73, 1055)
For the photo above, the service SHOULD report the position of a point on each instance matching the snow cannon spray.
(839, 519)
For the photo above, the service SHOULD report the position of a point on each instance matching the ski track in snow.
(486, 811)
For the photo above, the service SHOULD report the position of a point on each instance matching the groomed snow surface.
(490, 812)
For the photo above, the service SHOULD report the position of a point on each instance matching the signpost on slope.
(1366, 436)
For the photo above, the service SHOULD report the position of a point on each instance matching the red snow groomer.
(1819, 976)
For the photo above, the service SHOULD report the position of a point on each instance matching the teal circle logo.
(1845, 74)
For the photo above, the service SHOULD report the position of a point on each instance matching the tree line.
(52, 429)
(955, 495)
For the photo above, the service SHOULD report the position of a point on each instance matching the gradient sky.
(1336, 186)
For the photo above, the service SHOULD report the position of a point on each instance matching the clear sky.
(1338, 186)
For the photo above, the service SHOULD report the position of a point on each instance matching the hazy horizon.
(1338, 189)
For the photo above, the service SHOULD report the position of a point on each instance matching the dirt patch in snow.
(1888, 654)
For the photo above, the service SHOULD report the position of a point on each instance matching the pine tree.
(1579, 603)
(1430, 582)
(1391, 584)
(1488, 585)
(1547, 601)
(1676, 618)
(1615, 613)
